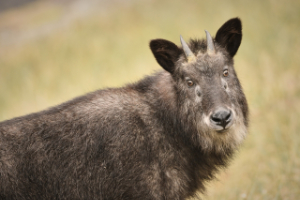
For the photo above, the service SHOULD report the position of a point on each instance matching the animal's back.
(61, 152)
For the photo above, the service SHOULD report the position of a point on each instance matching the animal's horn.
(187, 51)
(210, 44)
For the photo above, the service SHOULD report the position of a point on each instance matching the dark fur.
(135, 142)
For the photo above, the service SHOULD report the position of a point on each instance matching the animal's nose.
(221, 117)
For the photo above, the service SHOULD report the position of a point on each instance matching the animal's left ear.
(229, 35)
(166, 53)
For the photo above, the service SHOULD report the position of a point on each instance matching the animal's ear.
(229, 35)
(166, 53)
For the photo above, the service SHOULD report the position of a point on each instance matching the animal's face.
(210, 96)
(210, 99)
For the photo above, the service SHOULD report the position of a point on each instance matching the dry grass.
(108, 46)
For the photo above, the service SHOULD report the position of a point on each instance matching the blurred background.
(54, 50)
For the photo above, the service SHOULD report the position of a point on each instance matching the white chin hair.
(229, 139)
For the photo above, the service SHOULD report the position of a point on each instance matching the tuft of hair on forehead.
(197, 45)
(200, 46)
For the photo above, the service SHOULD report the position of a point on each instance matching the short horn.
(187, 51)
(210, 44)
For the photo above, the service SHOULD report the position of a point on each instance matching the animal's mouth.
(223, 130)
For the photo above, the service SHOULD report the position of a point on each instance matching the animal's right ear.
(166, 53)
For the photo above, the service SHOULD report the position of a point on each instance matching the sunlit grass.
(110, 49)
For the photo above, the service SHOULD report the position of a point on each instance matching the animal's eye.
(225, 73)
(190, 83)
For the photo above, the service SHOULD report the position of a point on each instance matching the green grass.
(109, 48)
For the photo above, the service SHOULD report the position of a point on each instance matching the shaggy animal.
(160, 138)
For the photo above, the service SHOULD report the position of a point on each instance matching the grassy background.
(51, 51)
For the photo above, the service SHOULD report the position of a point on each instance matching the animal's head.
(212, 105)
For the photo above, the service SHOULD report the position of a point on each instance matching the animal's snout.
(221, 118)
